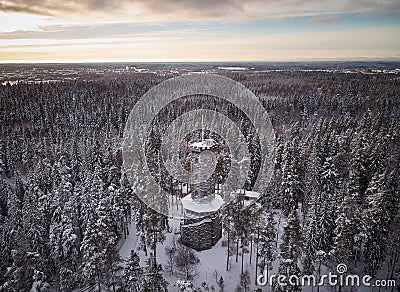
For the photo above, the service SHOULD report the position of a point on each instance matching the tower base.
(201, 233)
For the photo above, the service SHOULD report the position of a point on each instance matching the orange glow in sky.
(194, 30)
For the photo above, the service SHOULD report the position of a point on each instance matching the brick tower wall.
(201, 234)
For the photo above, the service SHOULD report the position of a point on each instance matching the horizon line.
(361, 59)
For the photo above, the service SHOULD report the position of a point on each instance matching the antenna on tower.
(202, 127)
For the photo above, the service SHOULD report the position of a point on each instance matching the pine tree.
(151, 224)
(326, 216)
(345, 232)
(68, 279)
(101, 259)
(112, 268)
(35, 225)
(3, 159)
(292, 238)
(154, 280)
(394, 247)
(377, 220)
(170, 252)
(311, 238)
(20, 275)
(63, 237)
(39, 284)
(244, 284)
(320, 220)
(133, 273)
(221, 284)
(70, 243)
(91, 248)
(266, 242)
(5, 226)
(290, 185)
(228, 228)
(126, 201)
(348, 222)
(241, 224)
(290, 270)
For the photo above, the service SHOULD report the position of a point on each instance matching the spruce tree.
(376, 221)
(290, 270)
(266, 242)
(154, 280)
(291, 246)
(343, 250)
(133, 273)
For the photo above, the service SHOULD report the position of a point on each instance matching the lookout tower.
(202, 226)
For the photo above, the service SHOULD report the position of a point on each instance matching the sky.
(198, 30)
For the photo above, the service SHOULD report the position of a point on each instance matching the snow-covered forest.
(66, 207)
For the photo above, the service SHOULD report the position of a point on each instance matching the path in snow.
(129, 244)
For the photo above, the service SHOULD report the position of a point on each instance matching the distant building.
(249, 197)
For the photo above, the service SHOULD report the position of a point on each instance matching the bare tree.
(216, 275)
(186, 262)
(170, 251)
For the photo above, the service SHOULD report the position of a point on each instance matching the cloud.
(15, 8)
(94, 31)
(372, 5)
(194, 10)
(324, 19)
(351, 43)
(58, 8)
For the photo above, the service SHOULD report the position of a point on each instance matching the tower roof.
(202, 145)
(202, 207)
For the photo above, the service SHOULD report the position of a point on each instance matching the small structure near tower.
(202, 225)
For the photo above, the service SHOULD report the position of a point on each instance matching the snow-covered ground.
(129, 244)
(213, 262)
